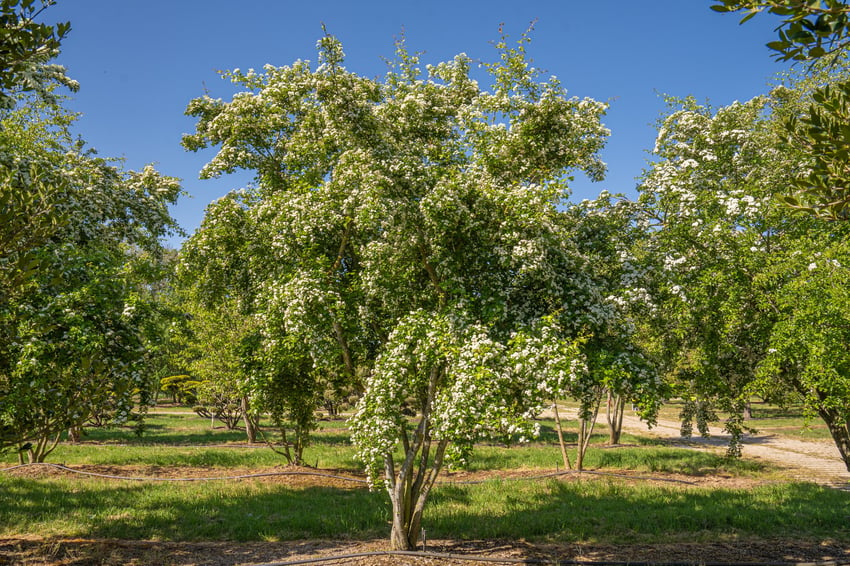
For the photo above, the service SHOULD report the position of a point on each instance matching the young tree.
(411, 226)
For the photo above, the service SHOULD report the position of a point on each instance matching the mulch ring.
(79, 552)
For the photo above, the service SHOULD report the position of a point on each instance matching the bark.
(39, 450)
(585, 430)
(410, 485)
(616, 409)
(839, 428)
(566, 457)
(75, 433)
(250, 423)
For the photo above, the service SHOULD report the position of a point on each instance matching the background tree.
(220, 266)
(74, 335)
(807, 358)
(215, 355)
(732, 256)
(708, 201)
(26, 47)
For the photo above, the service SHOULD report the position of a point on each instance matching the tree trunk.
(39, 450)
(410, 485)
(566, 457)
(840, 430)
(585, 430)
(250, 423)
(616, 409)
(408, 494)
(75, 433)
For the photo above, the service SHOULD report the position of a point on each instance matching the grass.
(590, 508)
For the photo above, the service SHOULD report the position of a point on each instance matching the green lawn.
(592, 508)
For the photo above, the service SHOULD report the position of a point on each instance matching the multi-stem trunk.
(616, 408)
(43, 446)
(586, 430)
(410, 483)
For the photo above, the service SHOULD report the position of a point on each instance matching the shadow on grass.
(190, 512)
(597, 510)
(158, 434)
(612, 512)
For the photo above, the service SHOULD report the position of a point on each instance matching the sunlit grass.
(590, 509)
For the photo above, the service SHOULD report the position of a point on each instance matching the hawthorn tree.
(76, 330)
(408, 234)
(738, 311)
(708, 203)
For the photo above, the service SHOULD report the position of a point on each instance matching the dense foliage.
(78, 310)
(408, 234)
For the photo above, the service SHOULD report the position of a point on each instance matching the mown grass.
(185, 439)
(591, 509)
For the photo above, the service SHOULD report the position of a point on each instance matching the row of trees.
(412, 236)
(409, 242)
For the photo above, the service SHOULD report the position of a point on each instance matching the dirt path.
(815, 461)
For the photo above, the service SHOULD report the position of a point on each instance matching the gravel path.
(816, 461)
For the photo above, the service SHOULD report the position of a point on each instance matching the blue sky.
(139, 63)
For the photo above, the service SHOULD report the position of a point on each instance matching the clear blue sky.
(139, 62)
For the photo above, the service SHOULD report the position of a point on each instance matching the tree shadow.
(588, 509)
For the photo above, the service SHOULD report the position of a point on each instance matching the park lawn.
(586, 509)
(599, 507)
(183, 439)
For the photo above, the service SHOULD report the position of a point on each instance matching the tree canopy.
(410, 233)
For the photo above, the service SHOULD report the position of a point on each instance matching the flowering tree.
(731, 256)
(708, 198)
(620, 367)
(409, 235)
(74, 334)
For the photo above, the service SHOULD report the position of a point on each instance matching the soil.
(77, 552)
